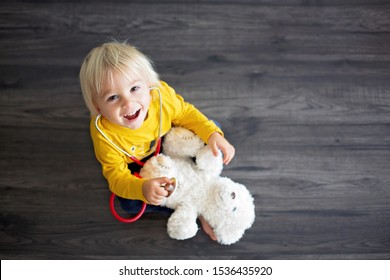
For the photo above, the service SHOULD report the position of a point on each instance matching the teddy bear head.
(230, 210)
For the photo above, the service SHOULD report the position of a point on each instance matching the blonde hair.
(101, 61)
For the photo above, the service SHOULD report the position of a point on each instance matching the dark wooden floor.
(301, 88)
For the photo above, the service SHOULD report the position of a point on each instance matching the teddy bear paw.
(182, 233)
(181, 229)
(163, 162)
(158, 166)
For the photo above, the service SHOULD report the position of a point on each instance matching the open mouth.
(132, 116)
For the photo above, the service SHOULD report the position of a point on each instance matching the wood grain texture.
(301, 89)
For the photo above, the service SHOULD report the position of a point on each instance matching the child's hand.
(217, 141)
(153, 191)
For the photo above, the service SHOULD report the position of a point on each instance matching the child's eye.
(134, 89)
(112, 98)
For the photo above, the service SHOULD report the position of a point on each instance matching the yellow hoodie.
(137, 142)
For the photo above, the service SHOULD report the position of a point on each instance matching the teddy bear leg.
(182, 224)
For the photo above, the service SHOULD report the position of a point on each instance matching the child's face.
(124, 102)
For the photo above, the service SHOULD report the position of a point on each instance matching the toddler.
(130, 109)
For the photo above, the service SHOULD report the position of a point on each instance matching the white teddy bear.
(200, 190)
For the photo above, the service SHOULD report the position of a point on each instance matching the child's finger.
(162, 192)
(165, 180)
(228, 155)
(215, 150)
(156, 201)
(227, 160)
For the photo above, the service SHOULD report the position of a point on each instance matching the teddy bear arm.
(207, 163)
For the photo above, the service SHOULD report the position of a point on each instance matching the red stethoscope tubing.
(143, 207)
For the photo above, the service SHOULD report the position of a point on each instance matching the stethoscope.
(156, 150)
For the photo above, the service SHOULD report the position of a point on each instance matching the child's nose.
(126, 101)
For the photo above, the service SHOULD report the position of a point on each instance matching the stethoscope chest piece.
(170, 188)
